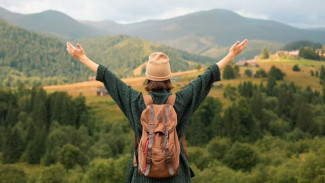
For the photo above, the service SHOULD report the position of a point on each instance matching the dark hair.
(157, 85)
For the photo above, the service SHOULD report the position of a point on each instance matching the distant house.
(242, 63)
(294, 53)
(101, 91)
(247, 63)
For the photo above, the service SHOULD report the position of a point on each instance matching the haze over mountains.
(53, 23)
(208, 33)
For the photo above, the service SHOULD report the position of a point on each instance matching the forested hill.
(53, 23)
(30, 57)
(123, 53)
(34, 58)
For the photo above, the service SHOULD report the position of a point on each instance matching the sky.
(299, 13)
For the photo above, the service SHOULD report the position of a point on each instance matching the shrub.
(296, 68)
(241, 156)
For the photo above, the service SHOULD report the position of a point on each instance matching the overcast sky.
(300, 13)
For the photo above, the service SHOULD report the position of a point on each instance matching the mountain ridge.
(53, 23)
(208, 33)
(34, 58)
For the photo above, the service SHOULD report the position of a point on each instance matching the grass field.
(105, 107)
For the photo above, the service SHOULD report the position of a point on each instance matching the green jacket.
(131, 103)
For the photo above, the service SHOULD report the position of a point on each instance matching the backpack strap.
(171, 100)
(147, 99)
(184, 147)
(136, 142)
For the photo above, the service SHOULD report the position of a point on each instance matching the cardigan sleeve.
(193, 95)
(121, 93)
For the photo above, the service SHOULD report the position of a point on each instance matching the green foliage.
(296, 68)
(71, 155)
(199, 157)
(53, 174)
(309, 53)
(36, 147)
(302, 43)
(248, 72)
(13, 146)
(31, 58)
(115, 47)
(228, 73)
(36, 59)
(264, 54)
(218, 147)
(230, 92)
(276, 73)
(256, 137)
(241, 156)
(285, 173)
(203, 119)
(246, 89)
(12, 174)
(232, 122)
(321, 75)
(312, 73)
(106, 170)
(312, 170)
(261, 73)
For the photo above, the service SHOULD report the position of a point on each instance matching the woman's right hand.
(77, 53)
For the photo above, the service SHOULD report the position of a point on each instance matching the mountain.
(124, 53)
(207, 33)
(218, 26)
(53, 23)
(34, 58)
(211, 32)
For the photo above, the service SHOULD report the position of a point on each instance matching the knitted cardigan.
(131, 103)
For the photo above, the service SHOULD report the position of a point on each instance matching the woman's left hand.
(237, 48)
(77, 53)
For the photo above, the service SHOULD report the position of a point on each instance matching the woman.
(158, 75)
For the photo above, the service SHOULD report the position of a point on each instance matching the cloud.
(294, 12)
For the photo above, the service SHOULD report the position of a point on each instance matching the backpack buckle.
(168, 159)
(148, 160)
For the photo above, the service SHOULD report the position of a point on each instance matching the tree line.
(271, 132)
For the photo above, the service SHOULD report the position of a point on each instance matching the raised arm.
(235, 50)
(192, 96)
(120, 92)
(80, 55)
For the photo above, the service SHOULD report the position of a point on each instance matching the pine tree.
(232, 122)
(322, 74)
(285, 102)
(264, 54)
(228, 72)
(36, 147)
(13, 146)
(80, 105)
(276, 73)
(271, 82)
(11, 118)
(324, 93)
(246, 119)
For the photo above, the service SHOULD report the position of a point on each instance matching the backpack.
(159, 146)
